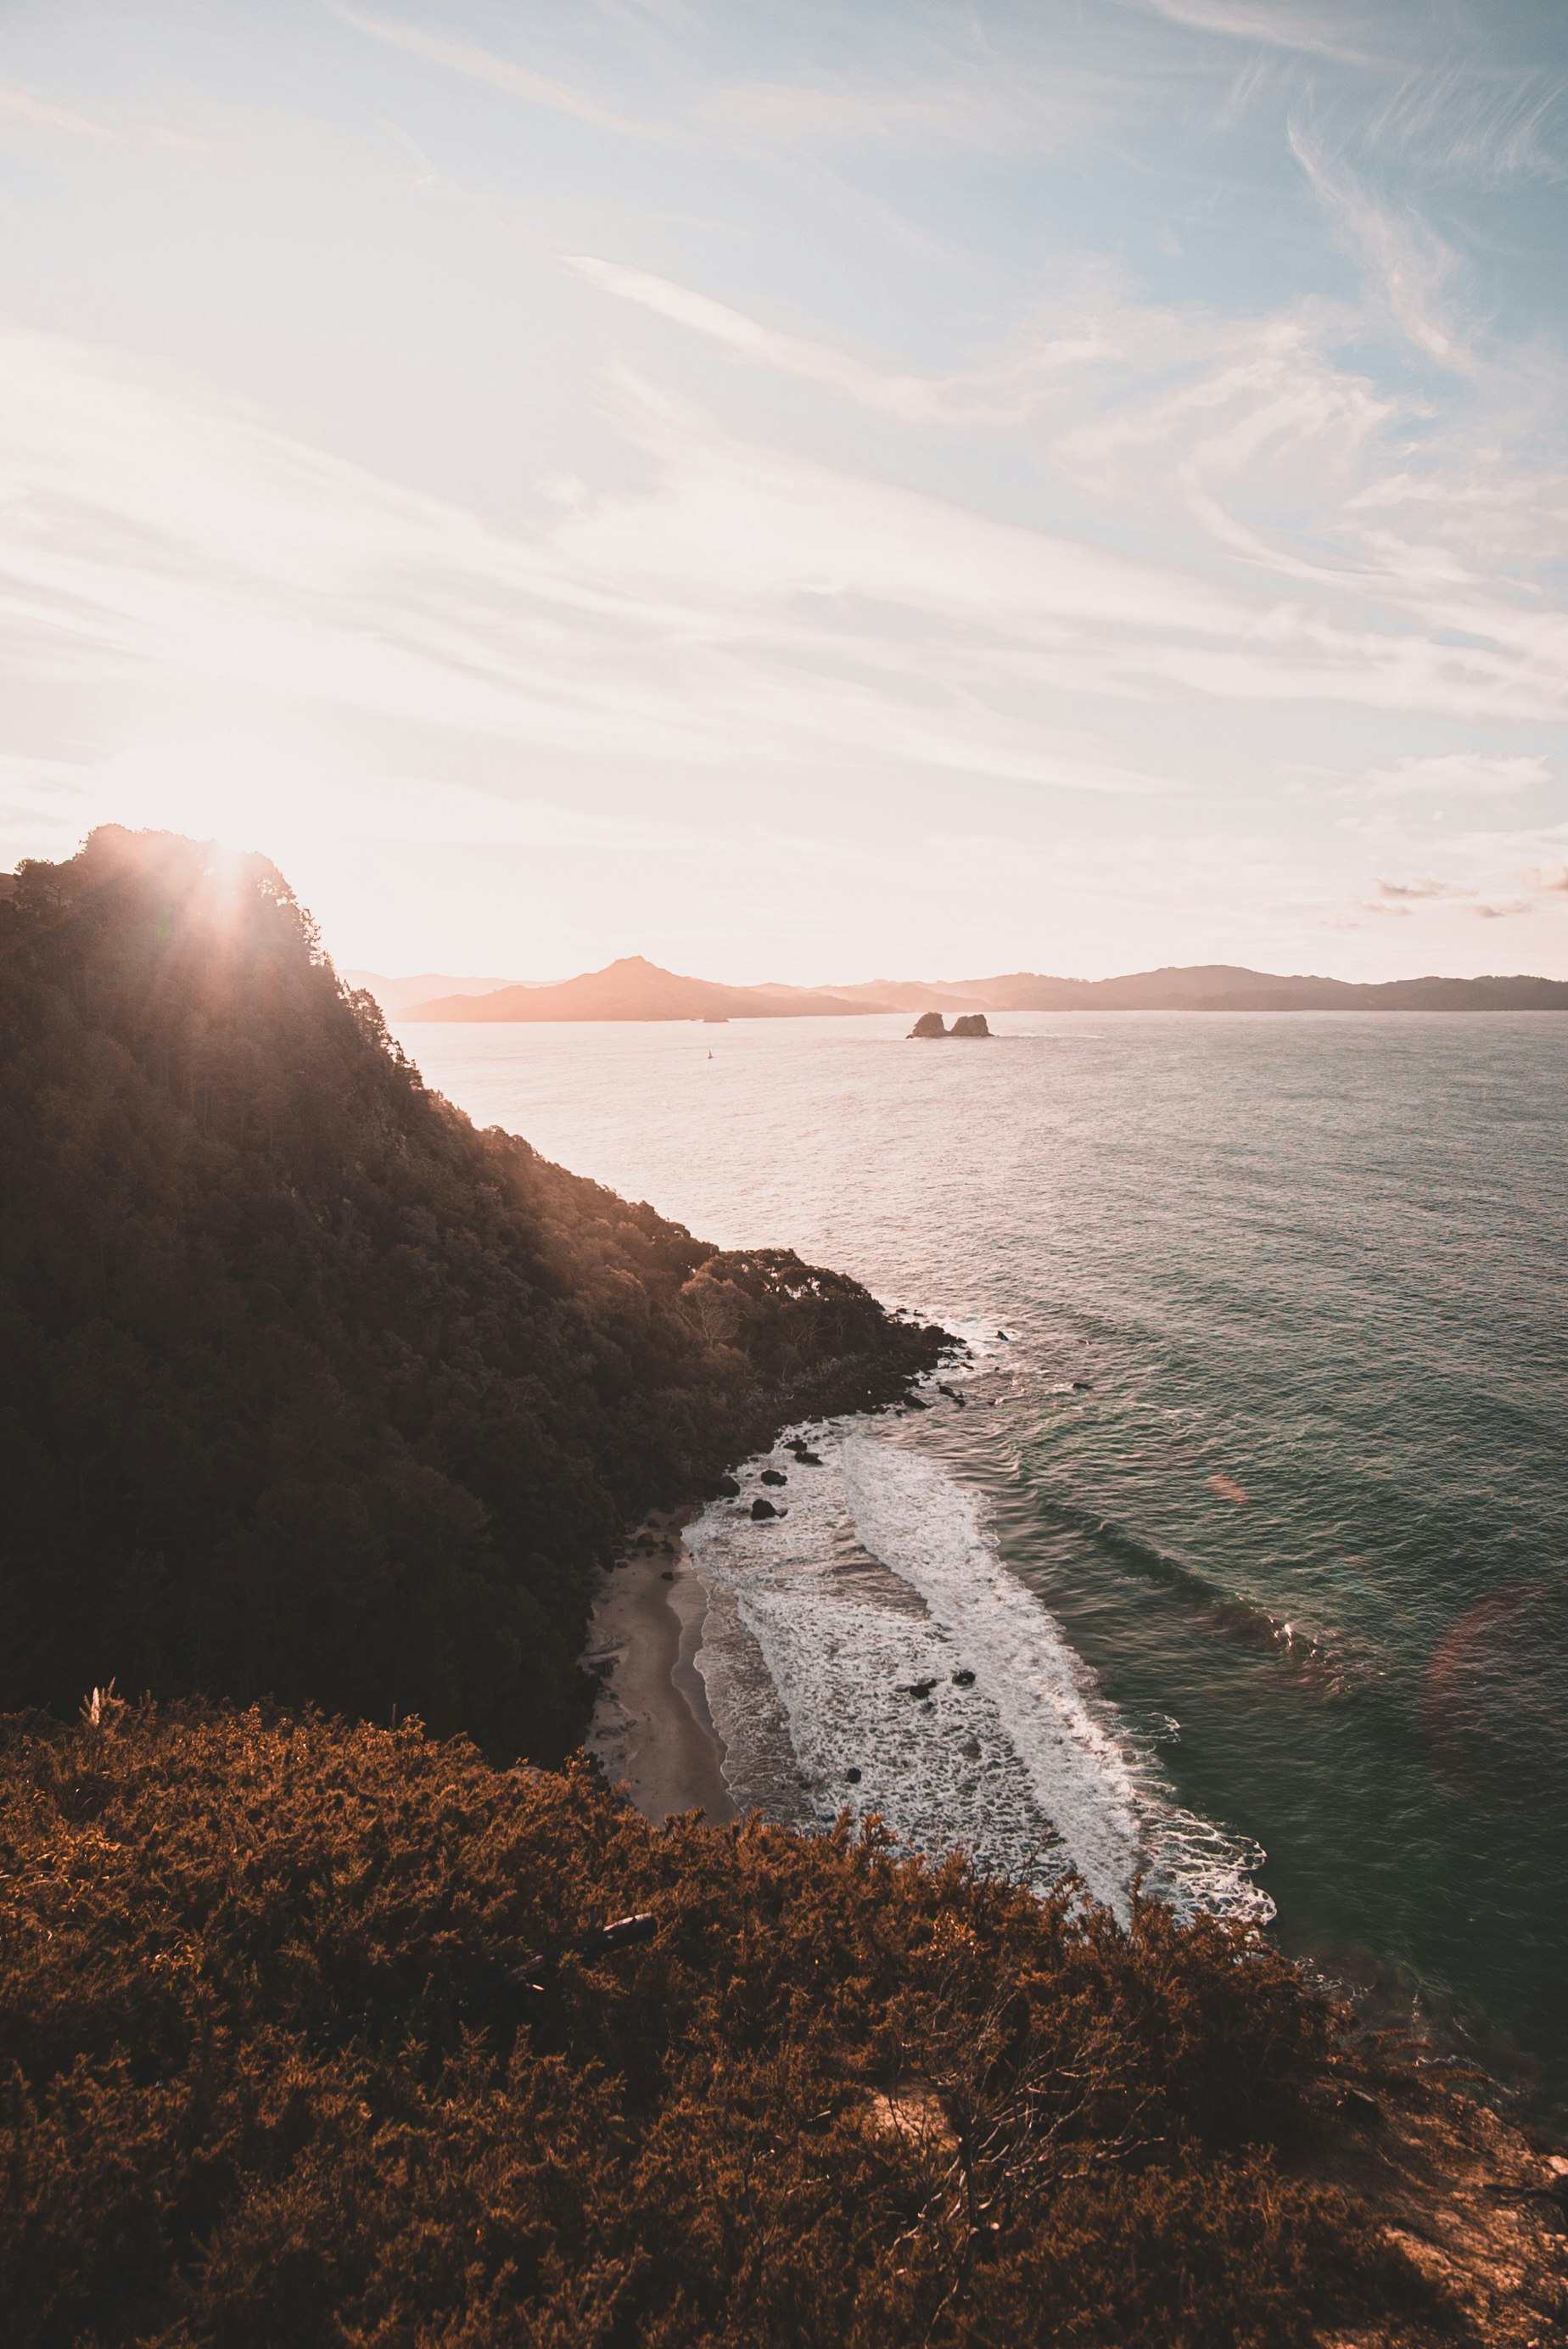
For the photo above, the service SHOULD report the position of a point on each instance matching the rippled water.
(1306, 1524)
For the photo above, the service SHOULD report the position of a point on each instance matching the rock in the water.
(763, 1509)
(929, 1023)
(920, 1689)
(916, 1402)
(774, 1476)
(728, 1489)
(809, 1459)
(970, 1023)
(853, 1777)
(966, 1679)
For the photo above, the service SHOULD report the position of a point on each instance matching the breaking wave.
(870, 1650)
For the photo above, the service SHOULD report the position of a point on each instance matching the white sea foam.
(879, 1580)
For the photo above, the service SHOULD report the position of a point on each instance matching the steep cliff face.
(313, 1389)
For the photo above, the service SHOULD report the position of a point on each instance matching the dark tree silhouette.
(312, 1390)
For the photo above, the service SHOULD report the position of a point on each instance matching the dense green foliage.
(312, 1391)
(271, 2078)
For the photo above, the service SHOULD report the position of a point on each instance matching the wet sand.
(651, 1728)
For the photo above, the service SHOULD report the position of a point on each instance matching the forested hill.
(312, 1390)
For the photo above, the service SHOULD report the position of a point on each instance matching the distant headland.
(633, 988)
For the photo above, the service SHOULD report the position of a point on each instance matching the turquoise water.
(1307, 1523)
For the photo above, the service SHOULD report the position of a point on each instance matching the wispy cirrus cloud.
(1000, 395)
(1460, 773)
(1272, 456)
(1405, 262)
(501, 73)
(743, 607)
(39, 114)
(160, 530)
(1475, 119)
(1309, 32)
(826, 111)
(35, 113)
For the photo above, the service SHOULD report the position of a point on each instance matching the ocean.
(1244, 1528)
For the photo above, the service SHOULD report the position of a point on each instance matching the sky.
(800, 491)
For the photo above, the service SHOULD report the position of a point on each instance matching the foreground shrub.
(274, 2073)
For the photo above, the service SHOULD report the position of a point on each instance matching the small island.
(968, 1023)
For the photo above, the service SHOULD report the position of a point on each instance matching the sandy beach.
(651, 1729)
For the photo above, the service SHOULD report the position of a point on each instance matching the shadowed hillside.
(312, 1390)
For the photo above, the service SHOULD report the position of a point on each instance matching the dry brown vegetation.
(275, 2074)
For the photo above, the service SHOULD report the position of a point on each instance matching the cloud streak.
(1308, 32)
(1460, 774)
(998, 397)
(500, 73)
(35, 113)
(1406, 263)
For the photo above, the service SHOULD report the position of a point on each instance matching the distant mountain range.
(633, 988)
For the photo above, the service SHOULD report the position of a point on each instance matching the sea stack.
(968, 1023)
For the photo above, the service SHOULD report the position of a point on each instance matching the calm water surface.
(1307, 1523)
